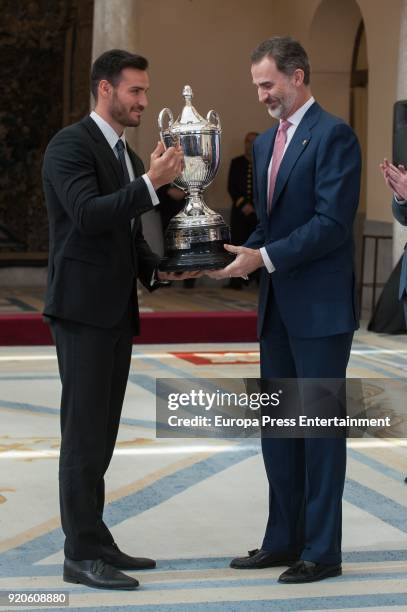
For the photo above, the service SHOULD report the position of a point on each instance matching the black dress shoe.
(308, 571)
(259, 559)
(98, 574)
(112, 555)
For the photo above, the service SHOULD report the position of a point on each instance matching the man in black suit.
(96, 191)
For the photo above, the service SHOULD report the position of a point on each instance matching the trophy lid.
(191, 121)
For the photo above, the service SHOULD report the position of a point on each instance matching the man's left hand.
(247, 209)
(247, 261)
(396, 178)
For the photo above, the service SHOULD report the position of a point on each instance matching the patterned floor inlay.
(192, 504)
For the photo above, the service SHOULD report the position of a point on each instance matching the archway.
(338, 55)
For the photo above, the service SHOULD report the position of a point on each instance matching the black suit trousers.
(94, 365)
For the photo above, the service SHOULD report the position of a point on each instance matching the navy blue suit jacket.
(400, 213)
(308, 234)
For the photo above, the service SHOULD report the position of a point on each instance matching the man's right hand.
(396, 178)
(247, 209)
(165, 165)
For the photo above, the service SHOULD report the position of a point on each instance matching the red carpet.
(156, 328)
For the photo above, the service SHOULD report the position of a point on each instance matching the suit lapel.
(138, 170)
(104, 149)
(295, 149)
(263, 187)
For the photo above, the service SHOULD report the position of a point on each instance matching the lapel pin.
(304, 142)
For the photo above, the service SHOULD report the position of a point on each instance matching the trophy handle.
(214, 118)
(166, 112)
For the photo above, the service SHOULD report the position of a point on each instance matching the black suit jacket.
(94, 256)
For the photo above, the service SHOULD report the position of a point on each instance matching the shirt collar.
(300, 112)
(108, 132)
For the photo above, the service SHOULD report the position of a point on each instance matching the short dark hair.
(110, 64)
(287, 53)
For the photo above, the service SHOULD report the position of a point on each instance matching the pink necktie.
(278, 150)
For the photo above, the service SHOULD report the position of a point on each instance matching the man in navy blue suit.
(307, 176)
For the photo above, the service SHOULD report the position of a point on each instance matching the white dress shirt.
(295, 120)
(111, 136)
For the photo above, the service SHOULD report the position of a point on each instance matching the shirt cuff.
(402, 202)
(151, 190)
(266, 260)
(154, 282)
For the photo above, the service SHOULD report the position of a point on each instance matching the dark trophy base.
(201, 256)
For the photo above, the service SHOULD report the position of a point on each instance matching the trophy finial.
(187, 93)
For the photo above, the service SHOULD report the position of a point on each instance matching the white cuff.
(402, 202)
(266, 260)
(151, 190)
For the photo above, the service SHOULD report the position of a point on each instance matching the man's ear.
(298, 77)
(104, 88)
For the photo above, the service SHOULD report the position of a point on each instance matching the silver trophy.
(195, 236)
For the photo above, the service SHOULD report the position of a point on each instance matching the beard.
(121, 114)
(275, 112)
(283, 109)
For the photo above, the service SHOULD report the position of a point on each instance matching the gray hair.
(287, 53)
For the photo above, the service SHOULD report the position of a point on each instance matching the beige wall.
(207, 44)
(331, 41)
(327, 29)
(115, 26)
(382, 22)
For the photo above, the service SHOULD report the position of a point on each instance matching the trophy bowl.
(195, 236)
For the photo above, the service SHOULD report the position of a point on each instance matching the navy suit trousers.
(306, 476)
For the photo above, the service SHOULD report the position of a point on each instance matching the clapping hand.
(396, 178)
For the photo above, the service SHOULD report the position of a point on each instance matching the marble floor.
(192, 504)
(207, 295)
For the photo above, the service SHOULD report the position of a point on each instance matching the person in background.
(172, 201)
(243, 218)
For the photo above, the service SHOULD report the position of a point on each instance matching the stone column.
(399, 231)
(115, 26)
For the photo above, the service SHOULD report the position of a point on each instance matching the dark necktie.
(120, 148)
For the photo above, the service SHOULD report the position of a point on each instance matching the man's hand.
(178, 276)
(247, 261)
(165, 165)
(396, 178)
(247, 209)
